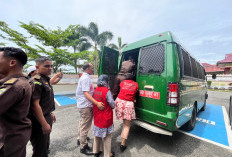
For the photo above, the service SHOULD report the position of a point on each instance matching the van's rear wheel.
(191, 123)
(204, 106)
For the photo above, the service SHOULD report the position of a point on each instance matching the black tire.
(190, 125)
(204, 106)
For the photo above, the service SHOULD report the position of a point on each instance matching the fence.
(73, 79)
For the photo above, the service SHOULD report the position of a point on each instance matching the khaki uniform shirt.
(15, 95)
(41, 89)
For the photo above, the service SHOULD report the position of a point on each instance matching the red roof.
(227, 59)
(207, 65)
(212, 68)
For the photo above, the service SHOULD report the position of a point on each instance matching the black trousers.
(39, 141)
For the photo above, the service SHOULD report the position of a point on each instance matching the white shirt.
(84, 85)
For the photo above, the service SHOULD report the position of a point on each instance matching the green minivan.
(172, 84)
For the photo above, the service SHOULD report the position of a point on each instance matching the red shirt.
(128, 89)
(102, 119)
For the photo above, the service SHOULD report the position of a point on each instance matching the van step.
(152, 128)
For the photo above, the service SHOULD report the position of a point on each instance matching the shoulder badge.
(36, 82)
(10, 81)
(37, 77)
(2, 90)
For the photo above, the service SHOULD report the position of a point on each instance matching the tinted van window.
(152, 59)
(187, 63)
(194, 68)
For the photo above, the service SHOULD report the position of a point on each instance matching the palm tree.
(120, 45)
(79, 45)
(98, 39)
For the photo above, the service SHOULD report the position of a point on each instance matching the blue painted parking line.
(212, 126)
(62, 100)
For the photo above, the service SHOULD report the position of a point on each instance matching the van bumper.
(152, 128)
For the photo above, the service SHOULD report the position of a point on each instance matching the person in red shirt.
(125, 106)
(103, 119)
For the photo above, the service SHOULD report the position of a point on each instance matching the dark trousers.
(39, 141)
(15, 145)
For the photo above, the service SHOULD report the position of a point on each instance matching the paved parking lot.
(141, 143)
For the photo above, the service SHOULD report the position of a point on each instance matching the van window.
(203, 73)
(194, 67)
(152, 59)
(187, 64)
(199, 70)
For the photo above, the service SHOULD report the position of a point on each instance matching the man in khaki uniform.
(15, 95)
(42, 107)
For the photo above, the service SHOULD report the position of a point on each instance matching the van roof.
(165, 36)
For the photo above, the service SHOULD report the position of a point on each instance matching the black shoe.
(97, 154)
(78, 141)
(122, 148)
(48, 152)
(86, 150)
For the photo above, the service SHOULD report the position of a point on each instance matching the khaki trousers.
(98, 144)
(125, 129)
(86, 116)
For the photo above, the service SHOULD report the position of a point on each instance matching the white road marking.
(57, 102)
(228, 128)
(203, 139)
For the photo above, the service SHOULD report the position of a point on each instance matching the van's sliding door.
(151, 78)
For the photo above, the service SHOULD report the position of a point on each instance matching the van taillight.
(173, 94)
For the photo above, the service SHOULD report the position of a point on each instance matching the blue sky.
(203, 26)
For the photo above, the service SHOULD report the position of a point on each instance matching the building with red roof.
(226, 64)
(212, 69)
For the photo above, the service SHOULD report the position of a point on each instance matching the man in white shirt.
(85, 103)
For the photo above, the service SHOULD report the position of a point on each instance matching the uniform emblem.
(37, 77)
(2, 90)
(10, 81)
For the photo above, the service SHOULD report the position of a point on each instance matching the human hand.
(101, 106)
(46, 128)
(53, 117)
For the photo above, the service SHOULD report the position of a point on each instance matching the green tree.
(80, 46)
(119, 47)
(19, 39)
(55, 39)
(98, 39)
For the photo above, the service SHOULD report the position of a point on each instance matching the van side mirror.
(214, 76)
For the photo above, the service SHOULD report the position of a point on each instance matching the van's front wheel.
(191, 123)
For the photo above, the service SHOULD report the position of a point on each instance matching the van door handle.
(149, 87)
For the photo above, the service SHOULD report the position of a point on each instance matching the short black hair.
(130, 76)
(86, 66)
(16, 53)
(41, 60)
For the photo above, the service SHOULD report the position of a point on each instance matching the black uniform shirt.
(41, 89)
(15, 95)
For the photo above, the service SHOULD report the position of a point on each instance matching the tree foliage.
(118, 47)
(19, 39)
(98, 39)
